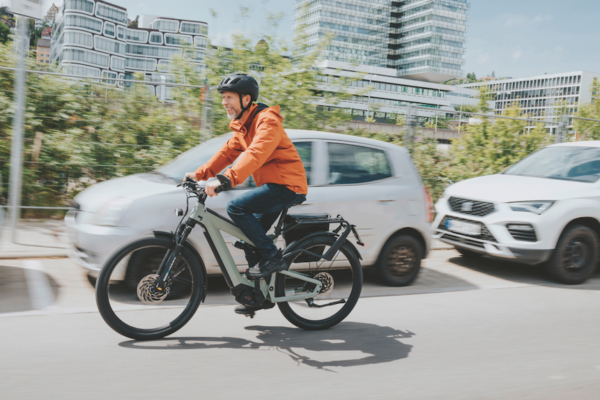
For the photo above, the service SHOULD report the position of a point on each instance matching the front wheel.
(342, 283)
(575, 256)
(140, 311)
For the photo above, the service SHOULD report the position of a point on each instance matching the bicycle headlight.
(536, 207)
(110, 214)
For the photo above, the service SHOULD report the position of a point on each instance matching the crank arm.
(311, 303)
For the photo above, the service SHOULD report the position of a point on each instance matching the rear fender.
(171, 236)
(291, 246)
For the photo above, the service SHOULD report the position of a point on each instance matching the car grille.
(485, 233)
(479, 208)
(522, 232)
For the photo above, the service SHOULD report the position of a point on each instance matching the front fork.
(171, 259)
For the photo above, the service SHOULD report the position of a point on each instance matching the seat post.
(280, 222)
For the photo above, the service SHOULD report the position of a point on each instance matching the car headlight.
(110, 214)
(537, 207)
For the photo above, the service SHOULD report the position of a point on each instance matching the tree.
(589, 130)
(493, 144)
(79, 133)
(4, 33)
(288, 81)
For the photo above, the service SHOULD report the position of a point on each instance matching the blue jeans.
(255, 211)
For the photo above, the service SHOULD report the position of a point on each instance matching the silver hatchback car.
(371, 183)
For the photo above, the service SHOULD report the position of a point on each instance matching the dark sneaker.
(245, 310)
(267, 267)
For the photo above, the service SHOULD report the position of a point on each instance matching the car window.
(580, 164)
(305, 151)
(350, 164)
(193, 159)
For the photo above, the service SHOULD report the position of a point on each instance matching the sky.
(513, 38)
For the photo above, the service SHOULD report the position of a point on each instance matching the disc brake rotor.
(326, 280)
(147, 292)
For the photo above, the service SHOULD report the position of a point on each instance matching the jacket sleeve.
(264, 143)
(224, 157)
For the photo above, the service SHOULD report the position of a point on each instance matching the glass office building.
(92, 38)
(420, 39)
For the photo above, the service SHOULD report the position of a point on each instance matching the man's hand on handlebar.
(191, 175)
(210, 187)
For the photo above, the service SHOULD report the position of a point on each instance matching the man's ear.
(246, 99)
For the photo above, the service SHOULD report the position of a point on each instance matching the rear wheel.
(342, 284)
(144, 313)
(574, 258)
(400, 261)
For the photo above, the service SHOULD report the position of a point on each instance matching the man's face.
(231, 102)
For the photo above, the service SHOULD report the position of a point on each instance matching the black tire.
(147, 261)
(355, 270)
(399, 262)
(468, 253)
(574, 258)
(103, 291)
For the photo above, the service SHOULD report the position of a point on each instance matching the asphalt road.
(466, 330)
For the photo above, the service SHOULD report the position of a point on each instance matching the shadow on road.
(335, 347)
(521, 273)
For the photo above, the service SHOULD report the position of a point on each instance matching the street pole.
(460, 116)
(16, 154)
(561, 129)
(205, 98)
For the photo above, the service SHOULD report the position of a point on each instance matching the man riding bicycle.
(265, 152)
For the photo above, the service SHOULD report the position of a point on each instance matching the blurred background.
(105, 106)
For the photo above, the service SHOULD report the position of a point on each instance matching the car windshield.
(579, 164)
(192, 159)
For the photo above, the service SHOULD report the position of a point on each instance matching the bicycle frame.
(213, 223)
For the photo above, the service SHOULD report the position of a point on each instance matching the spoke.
(184, 280)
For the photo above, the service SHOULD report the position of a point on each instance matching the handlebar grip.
(219, 189)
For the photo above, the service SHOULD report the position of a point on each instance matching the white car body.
(573, 201)
(379, 209)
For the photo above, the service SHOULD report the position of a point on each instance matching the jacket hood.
(508, 188)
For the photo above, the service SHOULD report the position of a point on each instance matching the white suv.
(371, 183)
(545, 208)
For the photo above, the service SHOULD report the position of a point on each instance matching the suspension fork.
(171, 259)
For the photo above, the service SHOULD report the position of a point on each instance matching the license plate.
(463, 227)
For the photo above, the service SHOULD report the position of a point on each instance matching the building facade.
(421, 39)
(42, 56)
(391, 96)
(91, 38)
(542, 97)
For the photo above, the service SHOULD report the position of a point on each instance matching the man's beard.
(231, 116)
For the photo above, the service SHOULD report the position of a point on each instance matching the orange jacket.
(268, 153)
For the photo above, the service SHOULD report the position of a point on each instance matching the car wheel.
(468, 253)
(400, 261)
(574, 258)
(146, 262)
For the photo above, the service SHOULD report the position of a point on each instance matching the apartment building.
(91, 38)
(390, 95)
(421, 39)
(42, 56)
(541, 97)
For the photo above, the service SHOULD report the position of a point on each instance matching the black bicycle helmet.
(242, 84)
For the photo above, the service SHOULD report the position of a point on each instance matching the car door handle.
(386, 200)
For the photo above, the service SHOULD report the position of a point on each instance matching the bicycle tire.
(356, 270)
(103, 290)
